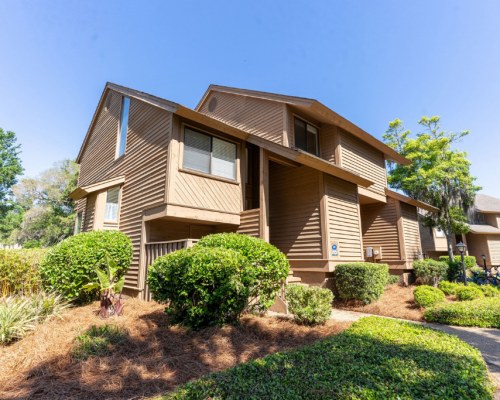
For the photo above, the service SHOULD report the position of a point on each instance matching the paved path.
(486, 340)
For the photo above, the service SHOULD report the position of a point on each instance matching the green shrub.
(393, 279)
(429, 271)
(309, 305)
(376, 358)
(449, 288)
(203, 286)
(361, 281)
(70, 265)
(465, 293)
(489, 291)
(428, 296)
(19, 315)
(19, 271)
(455, 265)
(270, 266)
(484, 313)
(98, 341)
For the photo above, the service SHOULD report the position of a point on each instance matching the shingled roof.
(487, 204)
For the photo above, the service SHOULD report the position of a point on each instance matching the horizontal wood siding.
(80, 206)
(250, 220)
(364, 160)
(143, 164)
(494, 247)
(343, 218)
(88, 224)
(294, 211)
(411, 231)
(164, 229)
(327, 142)
(380, 228)
(263, 118)
(477, 245)
(206, 193)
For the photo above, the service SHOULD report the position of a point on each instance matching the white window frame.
(123, 138)
(118, 205)
(438, 233)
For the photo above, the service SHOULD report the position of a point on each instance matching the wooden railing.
(158, 249)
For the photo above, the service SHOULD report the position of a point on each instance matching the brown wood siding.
(80, 206)
(206, 193)
(294, 211)
(343, 218)
(250, 220)
(143, 165)
(493, 220)
(380, 228)
(88, 224)
(364, 160)
(263, 118)
(327, 142)
(411, 231)
(494, 247)
(164, 230)
(477, 245)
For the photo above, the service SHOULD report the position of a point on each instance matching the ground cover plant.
(19, 271)
(98, 341)
(154, 357)
(309, 305)
(361, 281)
(428, 296)
(374, 359)
(483, 313)
(465, 293)
(71, 264)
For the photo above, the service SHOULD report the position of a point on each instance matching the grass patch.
(98, 341)
(374, 359)
(484, 313)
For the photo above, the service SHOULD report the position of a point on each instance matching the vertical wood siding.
(250, 221)
(494, 247)
(380, 228)
(294, 215)
(263, 118)
(143, 165)
(363, 159)
(343, 218)
(411, 231)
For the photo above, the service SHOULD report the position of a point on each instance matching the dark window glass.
(306, 136)
(300, 134)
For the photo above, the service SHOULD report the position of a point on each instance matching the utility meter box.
(374, 252)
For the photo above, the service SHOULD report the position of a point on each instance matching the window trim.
(119, 133)
(78, 223)
(118, 210)
(442, 235)
(307, 122)
(181, 167)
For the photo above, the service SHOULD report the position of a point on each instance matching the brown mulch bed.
(397, 302)
(154, 359)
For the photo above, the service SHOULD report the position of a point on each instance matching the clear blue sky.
(370, 61)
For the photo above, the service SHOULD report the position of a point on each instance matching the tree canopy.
(10, 168)
(438, 175)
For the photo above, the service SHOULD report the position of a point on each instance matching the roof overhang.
(83, 191)
(409, 200)
(484, 230)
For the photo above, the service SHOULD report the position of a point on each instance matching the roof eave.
(409, 200)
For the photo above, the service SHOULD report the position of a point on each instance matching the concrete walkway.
(486, 340)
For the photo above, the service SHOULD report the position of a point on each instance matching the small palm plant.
(110, 287)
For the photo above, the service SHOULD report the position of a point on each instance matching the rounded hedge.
(361, 281)
(465, 293)
(71, 264)
(269, 265)
(429, 271)
(449, 288)
(309, 305)
(202, 286)
(428, 296)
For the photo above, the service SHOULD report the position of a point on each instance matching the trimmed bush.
(489, 290)
(465, 293)
(309, 305)
(202, 286)
(429, 271)
(449, 288)
(484, 313)
(361, 281)
(19, 271)
(376, 358)
(428, 296)
(393, 279)
(455, 265)
(72, 263)
(270, 266)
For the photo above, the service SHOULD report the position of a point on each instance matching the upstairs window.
(208, 154)
(306, 136)
(122, 134)
(439, 233)
(111, 210)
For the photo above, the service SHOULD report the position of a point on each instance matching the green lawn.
(374, 359)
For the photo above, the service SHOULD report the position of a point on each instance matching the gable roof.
(319, 110)
(178, 109)
(487, 204)
(409, 200)
(484, 229)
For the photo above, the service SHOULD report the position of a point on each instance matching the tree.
(438, 175)
(10, 169)
(47, 211)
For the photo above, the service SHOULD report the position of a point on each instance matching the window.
(438, 232)
(306, 136)
(111, 210)
(79, 223)
(209, 154)
(122, 134)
